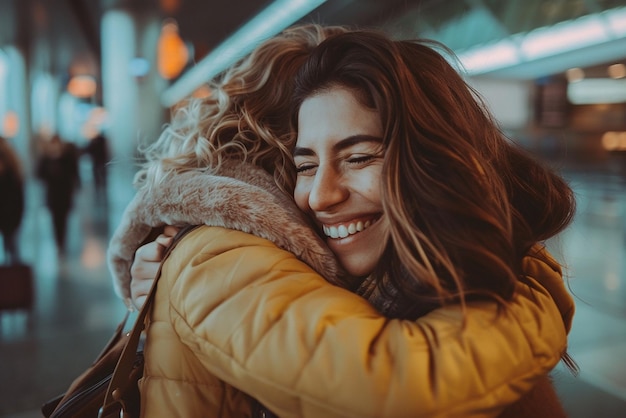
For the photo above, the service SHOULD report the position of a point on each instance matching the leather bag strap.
(119, 380)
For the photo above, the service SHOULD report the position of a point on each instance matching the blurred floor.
(76, 309)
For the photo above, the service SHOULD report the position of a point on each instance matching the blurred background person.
(98, 151)
(57, 168)
(12, 202)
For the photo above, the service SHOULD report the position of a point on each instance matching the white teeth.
(343, 231)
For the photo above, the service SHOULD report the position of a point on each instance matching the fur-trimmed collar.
(241, 197)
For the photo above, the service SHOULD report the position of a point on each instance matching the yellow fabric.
(231, 307)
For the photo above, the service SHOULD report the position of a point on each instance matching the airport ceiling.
(70, 28)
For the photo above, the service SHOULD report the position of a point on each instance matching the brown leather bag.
(109, 385)
(86, 394)
(17, 287)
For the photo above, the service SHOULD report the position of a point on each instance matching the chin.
(358, 269)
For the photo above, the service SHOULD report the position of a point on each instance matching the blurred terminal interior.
(552, 71)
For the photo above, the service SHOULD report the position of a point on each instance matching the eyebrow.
(339, 146)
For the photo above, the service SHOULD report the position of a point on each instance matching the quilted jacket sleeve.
(264, 322)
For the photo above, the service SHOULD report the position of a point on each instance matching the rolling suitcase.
(16, 287)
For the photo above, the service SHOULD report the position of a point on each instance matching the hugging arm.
(146, 265)
(275, 329)
(195, 198)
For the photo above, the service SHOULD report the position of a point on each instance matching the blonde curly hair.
(246, 117)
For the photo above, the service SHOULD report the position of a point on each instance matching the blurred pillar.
(17, 115)
(15, 110)
(131, 90)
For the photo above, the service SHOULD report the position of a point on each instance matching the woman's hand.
(146, 265)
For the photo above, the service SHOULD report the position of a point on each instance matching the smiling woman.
(459, 202)
(429, 260)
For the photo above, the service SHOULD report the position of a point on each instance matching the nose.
(328, 189)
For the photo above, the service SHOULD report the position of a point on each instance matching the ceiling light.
(172, 53)
(616, 19)
(574, 74)
(138, 67)
(614, 141)
(4, 64)
(595, 30)
(11, 124)
(498, 55)
(565, 36)
(617, 71)
(82, 86)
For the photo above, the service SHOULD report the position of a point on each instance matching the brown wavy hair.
(246, 117)
(464, 203)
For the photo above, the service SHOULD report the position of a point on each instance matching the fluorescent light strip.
(617, 21)
(270, 21)
(586, 31)
(4, 65)
(501, 54)
(565, 36)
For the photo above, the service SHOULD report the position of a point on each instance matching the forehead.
(333, 115)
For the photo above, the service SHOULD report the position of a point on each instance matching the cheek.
(374, 193)
(370, 185)
(301, 196)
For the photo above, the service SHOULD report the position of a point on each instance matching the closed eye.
(361, 159)
(306, 169)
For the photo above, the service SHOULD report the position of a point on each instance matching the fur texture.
(241, 197)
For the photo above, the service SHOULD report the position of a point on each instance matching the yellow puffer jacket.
(234, 309)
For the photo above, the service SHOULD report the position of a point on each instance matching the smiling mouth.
(344, 230)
